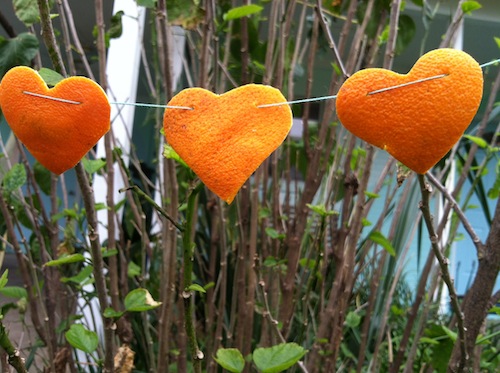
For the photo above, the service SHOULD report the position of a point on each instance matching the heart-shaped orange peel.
(418, 123)
(58, 134)
(226, 137)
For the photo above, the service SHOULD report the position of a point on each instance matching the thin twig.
(329, 37)
(49, 37)
(454, 205)
(267, 314)
(157, 207)
(443, 264)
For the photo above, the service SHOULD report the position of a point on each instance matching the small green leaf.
(277, 358)
(352, 319)
(27, 11)
(321, 210)
(170, 153)
(81, 338)
(371, 194)
(139, 300)
(4, 279)
(273, 233)
(112, 314)
(14, 178)
(133, 269)
(196, 287)
(65, 259)
(242, 11)
(93, 165)
(469, 6)
(84, 276)
(230, 359)
(14, 292)
(497, 40)
(50, 77)
(106, 253)
(116, 27)
(381, 240)
(479, 141)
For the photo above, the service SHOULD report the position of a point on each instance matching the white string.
(300, 101)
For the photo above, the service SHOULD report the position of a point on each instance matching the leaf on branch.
(17, 51)
(27, 11)
(381, 240)
(277, 358)
(81, 338)
(469, 6)
(230, 359)
(139, 300)
(242, 11)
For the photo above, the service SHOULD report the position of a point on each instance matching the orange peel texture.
(225, 138)
(57, 134)
(419, 123)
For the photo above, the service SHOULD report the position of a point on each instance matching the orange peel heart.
(226, 137)
(419, 123)
(58, 134)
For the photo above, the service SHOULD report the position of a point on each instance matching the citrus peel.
(57, 133)
(225, 138)
(418, 123)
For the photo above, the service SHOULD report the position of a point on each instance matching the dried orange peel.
(225, 138)
(58, 134)
(418, 123)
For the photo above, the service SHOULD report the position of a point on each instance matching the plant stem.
(443, 264)
(188, 246)
(157, 207)
(15, 359)
(97, 262)
(49, 37)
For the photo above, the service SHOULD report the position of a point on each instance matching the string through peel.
(299, 101)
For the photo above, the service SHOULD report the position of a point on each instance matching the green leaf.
(497, 40)
(65, 259)
(112, 314)
(81, 338)
(133, 269)
(106, 253)
(371, 194)
(170, 153)
(50, 77)
(14, 178)
(42, 177)
(116, 28)
(14, 292)
(352, 319)
(479, 141)
(139, 300)
(17, 51)
(321, 210)
(277, 358)
(27, 11)
(469, 6)
(196, 287)
(273, 233)
(4, 279)
(84, 276)
(230, 359)
(381, 240)
(242, 11)
(93, 165)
